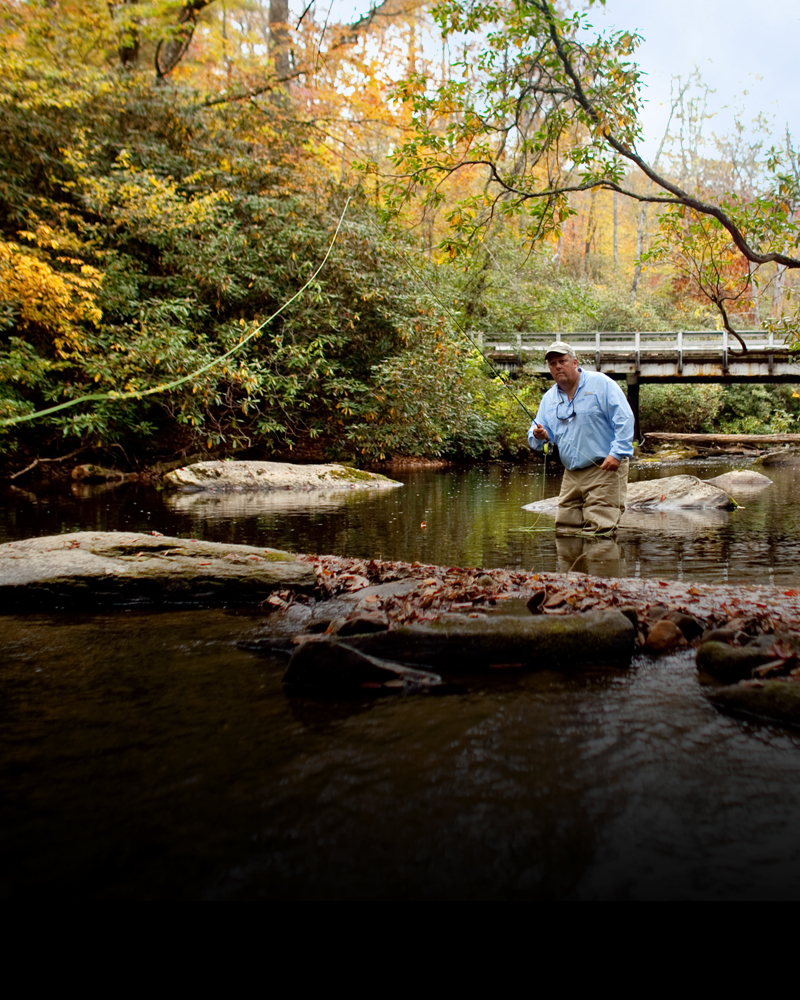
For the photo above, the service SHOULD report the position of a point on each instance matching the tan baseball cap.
(558, 347)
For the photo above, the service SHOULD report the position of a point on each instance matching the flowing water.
(145, 756)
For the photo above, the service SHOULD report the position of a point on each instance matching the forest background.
(173, 173)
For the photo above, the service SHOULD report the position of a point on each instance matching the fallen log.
(714, 439)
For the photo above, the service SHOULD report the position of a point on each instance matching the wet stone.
(663, 636)
(360, 624)
(690, 627)
(772, 700)
(458, 644)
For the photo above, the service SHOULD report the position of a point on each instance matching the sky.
(737, 47)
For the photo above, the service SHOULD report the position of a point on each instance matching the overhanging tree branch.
(547, 113)
(680, 196)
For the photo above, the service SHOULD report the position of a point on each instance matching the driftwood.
(714, 439)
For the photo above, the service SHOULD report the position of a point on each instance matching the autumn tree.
(152, 221)
(542, 111)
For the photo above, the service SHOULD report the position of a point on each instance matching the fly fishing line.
(96, 397)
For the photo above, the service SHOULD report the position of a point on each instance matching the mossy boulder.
(730, 663)
(772, 700)
(273, 476)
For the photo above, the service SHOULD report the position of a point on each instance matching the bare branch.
(246, 95)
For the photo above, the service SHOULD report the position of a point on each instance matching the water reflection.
(595, 556)
(675, 523)
(206, 506)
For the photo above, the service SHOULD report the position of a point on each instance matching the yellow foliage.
(56, 301)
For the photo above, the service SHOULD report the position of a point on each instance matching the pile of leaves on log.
(668, 614)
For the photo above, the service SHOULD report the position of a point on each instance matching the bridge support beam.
(633, 400)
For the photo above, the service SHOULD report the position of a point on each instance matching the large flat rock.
(97, 568)
(274, 476)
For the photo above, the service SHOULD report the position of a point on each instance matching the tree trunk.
(777, 290)
(279, 37)
(756, 299)
(128, 49)
(616, 230)
(591, 226)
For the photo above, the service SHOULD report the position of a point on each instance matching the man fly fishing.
(586, 415)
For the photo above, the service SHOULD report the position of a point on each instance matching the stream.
(145, 756)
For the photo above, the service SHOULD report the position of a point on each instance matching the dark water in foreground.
(145, 756)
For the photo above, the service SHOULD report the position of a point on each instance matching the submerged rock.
(773, 700)
(273, 476)
(91, 568)
(97, 474)
(327, 664)
(739, 479)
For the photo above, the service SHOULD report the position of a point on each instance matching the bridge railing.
(687, 342)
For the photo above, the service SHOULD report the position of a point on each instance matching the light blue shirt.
(595, 423)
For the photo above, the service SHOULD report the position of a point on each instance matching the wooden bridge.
(698, 356)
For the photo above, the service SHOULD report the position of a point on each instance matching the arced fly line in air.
(141, 393)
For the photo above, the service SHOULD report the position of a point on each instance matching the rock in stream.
(95, 568)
